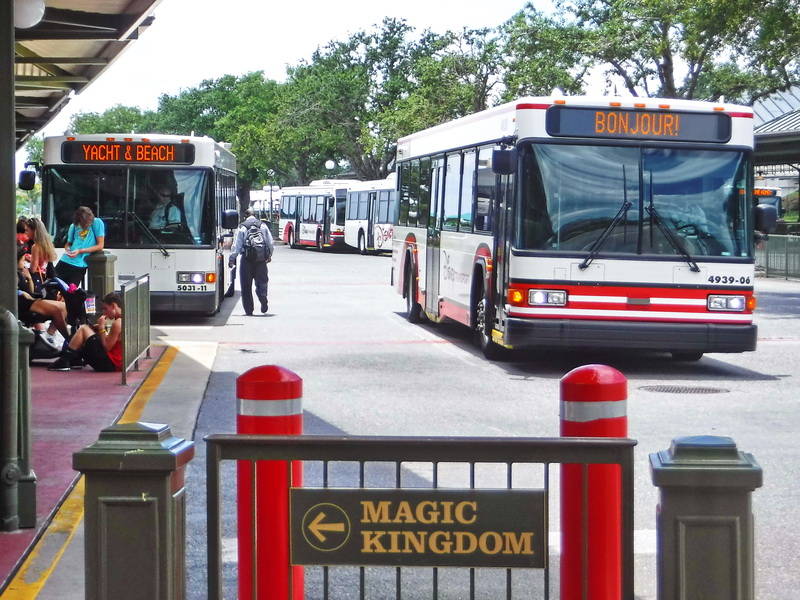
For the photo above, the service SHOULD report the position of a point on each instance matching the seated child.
(100, 345)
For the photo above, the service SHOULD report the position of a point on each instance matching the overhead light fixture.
(28, 13)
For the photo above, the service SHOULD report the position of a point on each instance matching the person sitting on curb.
(100, 345)
(27, 303)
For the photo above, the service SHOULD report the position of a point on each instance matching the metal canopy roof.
(73, 44)
(778, 141)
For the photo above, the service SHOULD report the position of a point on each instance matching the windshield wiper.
(674, 241)
(595, 249)
(143, 226)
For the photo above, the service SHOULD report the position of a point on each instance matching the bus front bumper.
(665, 337)
(184, 302)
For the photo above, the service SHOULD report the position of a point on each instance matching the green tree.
(117, 119)
(543, 53)
(344, 101)
(700, 49)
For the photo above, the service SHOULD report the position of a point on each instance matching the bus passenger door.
(372, 218)
(434, 239)
(501, 234)
(328, 217)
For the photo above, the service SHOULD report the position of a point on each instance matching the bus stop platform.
(69, 409)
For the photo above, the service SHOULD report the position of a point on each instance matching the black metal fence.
(780, 256)
(374, 464)
(135, 323)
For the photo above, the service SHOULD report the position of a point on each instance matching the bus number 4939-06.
(728, 279)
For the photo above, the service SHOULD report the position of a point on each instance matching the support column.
(9, 331)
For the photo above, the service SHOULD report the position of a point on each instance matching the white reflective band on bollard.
(583, 412)
(269, 408)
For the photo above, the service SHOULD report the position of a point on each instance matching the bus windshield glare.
(140, 207)
(637, 198)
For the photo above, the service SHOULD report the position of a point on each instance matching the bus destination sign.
(418, 527)
(127, 152)
(638, 124)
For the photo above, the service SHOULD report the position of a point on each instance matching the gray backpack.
(255, 244)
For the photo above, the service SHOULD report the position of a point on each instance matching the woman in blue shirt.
(87, 234)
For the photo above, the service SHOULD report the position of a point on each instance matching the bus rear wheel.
(413, 308)
(483, 330)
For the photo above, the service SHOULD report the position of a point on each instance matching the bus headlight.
(191, 277)
(547, 298)
(727, 303)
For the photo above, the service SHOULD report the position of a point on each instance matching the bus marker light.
(211, 277)
(515, 296)
(751, 303)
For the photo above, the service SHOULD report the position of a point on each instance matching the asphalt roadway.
(174, 393)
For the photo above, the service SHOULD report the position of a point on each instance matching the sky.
(193, 40)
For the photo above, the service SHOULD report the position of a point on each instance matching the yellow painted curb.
(43, 559)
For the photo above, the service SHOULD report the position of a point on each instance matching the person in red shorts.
(100, 345)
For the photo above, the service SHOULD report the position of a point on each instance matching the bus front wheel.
(483, 328)
(291, 240)
(362, 243)
(320, 247)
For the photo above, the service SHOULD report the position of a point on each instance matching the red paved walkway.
(69, 410)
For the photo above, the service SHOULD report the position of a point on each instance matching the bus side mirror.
(230, 219)
(766, 218)
(27, 180)
(504, 161)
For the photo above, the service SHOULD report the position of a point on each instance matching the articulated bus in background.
(772, 196)
(573, 222)
(178, 240)
(313, 215)
(369, 215)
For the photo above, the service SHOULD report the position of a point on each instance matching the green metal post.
(9, 330)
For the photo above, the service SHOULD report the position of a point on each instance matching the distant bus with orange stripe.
(577, 222)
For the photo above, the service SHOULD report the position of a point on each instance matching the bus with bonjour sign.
(577, 222)
(369, 215)
(167, 203)
(313, 215)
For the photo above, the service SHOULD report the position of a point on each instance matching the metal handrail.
(135, 323)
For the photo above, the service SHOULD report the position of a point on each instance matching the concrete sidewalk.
(69, 411)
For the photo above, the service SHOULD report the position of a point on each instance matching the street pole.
(9, 329)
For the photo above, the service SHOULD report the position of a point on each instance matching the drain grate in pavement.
(683, 389)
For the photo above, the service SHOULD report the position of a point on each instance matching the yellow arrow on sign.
(317, 527)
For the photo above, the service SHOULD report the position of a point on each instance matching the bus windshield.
(140, 207)
(639, 200)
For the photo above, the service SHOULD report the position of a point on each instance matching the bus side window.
(485, 192)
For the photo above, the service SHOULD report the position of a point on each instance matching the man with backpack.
(254, 242)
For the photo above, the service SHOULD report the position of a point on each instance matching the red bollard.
(269, 403)
(593, 404)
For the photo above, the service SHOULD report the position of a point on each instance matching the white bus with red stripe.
(576, 222)
(369, 215)
(313, 215)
